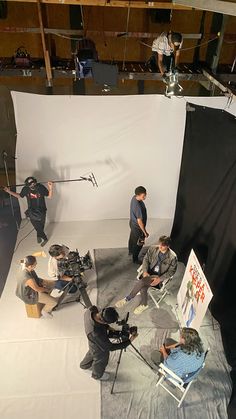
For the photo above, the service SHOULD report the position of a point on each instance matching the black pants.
(135, 235)
(142, 286)
(168, 62)
(39, 227)
(98, 360)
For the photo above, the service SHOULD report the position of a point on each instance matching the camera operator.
(35, 193)
(58, 252)
(166, 49)
(98, 333)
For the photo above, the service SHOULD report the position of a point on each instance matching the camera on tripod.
(74, 265)
(125, 331)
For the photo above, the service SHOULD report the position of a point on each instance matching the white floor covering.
(39, 368)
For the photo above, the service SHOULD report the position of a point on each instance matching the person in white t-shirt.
(58, 253)
(166, 50)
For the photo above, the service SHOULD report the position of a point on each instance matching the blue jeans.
(61, 283)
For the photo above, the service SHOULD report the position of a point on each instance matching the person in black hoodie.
(97, 329)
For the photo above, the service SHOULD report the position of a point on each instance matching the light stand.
(4, 157)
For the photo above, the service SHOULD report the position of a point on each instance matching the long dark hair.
(192, 342)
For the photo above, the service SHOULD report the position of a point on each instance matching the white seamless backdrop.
(125, 140)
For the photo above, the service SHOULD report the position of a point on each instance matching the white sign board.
(194, 294)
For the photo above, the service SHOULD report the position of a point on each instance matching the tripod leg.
(141, 356)
(117, 367)
(62, 297)
(85, 297)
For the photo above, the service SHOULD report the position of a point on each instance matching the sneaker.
(140, 309)
(121, 303)
(55, 293)
(46, 315)
(104, 377)
(44, 242)
(39, 239)
(87, 370)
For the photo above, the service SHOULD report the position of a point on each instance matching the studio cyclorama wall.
(124, 140)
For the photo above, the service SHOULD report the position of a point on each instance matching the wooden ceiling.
(139, 4)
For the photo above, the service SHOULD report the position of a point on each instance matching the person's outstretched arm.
(50, 190)
(15, 194)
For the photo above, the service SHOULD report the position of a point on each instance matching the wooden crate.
(34, 310)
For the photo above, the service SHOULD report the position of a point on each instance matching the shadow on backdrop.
(46, 172)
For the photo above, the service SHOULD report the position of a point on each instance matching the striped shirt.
(184, 365)
(161, 45)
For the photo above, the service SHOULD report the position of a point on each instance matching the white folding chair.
(169, 377)
(157, 295)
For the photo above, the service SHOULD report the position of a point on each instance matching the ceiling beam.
(109, 34)
(63, 73)
(217, 6)
(138, 4)
(220, 83)
(45, 50)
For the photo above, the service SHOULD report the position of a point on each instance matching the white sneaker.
(140, 309)
(46, 315)
(105, 376)
(121, 303)
(55, 293)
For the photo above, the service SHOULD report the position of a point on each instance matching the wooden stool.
(34, 310)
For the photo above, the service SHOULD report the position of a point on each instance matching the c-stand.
(118, 363)
(4, 157)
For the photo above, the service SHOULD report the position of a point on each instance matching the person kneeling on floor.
(98, 332)
(159, 264)
(32, 290)
(184, 358)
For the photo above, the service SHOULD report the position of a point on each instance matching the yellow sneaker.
(121, 303)
(140, 309)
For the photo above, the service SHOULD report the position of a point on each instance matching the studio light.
(172, 84)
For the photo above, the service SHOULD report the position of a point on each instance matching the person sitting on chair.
(159, 264)
(32, 290)
(184, 358)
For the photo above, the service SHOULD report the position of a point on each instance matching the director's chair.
(169, 377)
(157, 294)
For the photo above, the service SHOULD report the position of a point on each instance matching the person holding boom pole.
(35, 193)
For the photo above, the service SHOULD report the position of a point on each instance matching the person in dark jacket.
(159, 264)
(97, 329)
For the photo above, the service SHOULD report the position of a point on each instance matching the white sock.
(46, 315)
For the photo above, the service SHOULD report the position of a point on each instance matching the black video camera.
(74, 265)
(125, 331)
